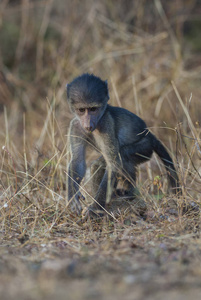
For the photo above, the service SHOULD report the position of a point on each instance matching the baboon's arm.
(77, 166)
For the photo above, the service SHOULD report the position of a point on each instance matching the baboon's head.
(87, 96)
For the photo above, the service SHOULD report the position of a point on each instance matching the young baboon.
(120, 136)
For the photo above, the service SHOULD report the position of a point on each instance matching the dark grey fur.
(120, 136)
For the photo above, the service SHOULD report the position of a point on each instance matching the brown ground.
(158, 258)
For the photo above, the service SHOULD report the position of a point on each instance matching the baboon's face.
(88, 116)
(88, 96)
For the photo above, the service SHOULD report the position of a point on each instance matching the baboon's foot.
(140, 205)
(75, 204)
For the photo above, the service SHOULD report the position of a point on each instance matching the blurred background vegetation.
(139, 46)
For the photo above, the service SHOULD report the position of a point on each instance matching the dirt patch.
(142, 261)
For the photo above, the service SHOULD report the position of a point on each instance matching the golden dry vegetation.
(150, 53)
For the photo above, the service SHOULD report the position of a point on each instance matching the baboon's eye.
(81, 110)
(93, 108)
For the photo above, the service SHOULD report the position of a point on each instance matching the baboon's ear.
(67, 90)
(107, 91)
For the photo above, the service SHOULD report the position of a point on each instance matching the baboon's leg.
(130, 191)
(130, 159)
(127, 179)
(97, 170)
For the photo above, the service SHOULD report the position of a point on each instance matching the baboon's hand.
(92, 213)
(75, 205)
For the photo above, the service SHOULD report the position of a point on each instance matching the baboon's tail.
(167, 160)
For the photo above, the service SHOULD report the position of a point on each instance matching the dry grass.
(152, 70)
